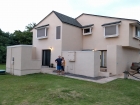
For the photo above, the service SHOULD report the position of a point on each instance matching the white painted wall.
(86, 63)
(23, 62)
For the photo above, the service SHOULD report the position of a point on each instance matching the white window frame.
(89, 32)
(43, 37)
(114, 35)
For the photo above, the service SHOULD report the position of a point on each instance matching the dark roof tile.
(68, 20)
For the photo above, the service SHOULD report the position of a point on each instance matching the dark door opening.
(46, 56)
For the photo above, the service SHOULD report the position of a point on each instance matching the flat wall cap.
(20, 46)
(111, 23)
(42, 26)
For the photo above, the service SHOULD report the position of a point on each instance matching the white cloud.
(128, 12)
(100, 3)
(16, 14)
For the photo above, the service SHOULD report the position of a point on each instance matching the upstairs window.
(111, 31)
(42, 31)
(87, 31)
(137, 32)
(58, 32)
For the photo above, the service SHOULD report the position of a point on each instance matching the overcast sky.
(16, 14)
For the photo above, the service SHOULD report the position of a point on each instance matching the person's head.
(62, 57)
(59, 56)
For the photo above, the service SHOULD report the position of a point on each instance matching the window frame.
(46, 35)
(89, 33)
(56, 32)
(114, 35)
(103, 58)
(136, 32)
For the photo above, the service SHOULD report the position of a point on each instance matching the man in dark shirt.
(58, 61)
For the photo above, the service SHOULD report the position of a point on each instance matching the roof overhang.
(42, 26)
(112, 23)
(137, 24)
(87, 26)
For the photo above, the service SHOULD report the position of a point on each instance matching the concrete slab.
(102, 81)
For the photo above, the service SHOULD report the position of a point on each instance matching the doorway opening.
(46, 57)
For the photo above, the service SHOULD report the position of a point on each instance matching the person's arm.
(56, 61)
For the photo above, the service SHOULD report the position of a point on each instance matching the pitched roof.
(67, 19)
(108, 17)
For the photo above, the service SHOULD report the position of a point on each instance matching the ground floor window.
(103, 58)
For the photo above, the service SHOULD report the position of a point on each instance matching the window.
(87, 31)
(103, 58)
(42, 32)
(137, 32)
(58, 32)
(111, 31)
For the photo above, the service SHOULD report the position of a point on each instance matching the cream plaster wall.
(71, 38)
(97, 40)
(120, 58)
(133, 42)
(112, 59)
(51, 41)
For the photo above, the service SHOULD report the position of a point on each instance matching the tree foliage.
(16, 38)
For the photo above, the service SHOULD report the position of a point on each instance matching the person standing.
(63, 65)
(58, 61)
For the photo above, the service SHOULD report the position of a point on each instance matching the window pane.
(46, 31)
(137, 32)
(110, 30)
(87, 30)
(103, 58)
(58, 32)
(41, 32)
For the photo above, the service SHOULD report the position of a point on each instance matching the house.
(116, 39)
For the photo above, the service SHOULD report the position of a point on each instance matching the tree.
(16, 38)
(30, 26)
(4, 42)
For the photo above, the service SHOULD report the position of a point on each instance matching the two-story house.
(117, 39)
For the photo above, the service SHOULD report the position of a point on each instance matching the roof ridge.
(64, 15)
(106, 16)
(66, 19)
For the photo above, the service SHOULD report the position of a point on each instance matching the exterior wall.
(13, 52)
(71, 38)
(125, 57)
(133, 42)
(51, 41)
(86, 63)
(120, 58)
(8, 60)
(97, 40)
(112, 59)
(23, 63)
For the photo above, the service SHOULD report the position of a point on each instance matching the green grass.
(45, 89)
(2, 67)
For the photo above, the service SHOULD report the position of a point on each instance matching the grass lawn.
(45, 89)
(2, 67)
